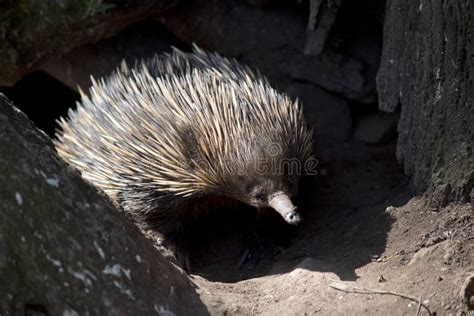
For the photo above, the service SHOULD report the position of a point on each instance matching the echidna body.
(175, 134)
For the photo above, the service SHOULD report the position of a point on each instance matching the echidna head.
(266, 181)
(274, 192)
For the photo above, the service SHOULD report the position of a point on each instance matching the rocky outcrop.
(64, 248)
(31, 31)
(272, 41)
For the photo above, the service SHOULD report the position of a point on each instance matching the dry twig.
(348, 289)
(419, 307)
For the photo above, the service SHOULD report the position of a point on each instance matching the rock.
(440, 197)
(438, 250)
(269, 40)
(260, 4)
(467, 292)
(322, 15)
(99, 59)
(64, 248)
(376, 128)
(323, 111)
(31, 31)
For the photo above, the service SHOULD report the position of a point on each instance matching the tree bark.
(427, 69)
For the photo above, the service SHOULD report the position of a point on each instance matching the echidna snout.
(281, 203)
(272, 191)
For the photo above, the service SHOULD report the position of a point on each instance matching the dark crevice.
(43, 98)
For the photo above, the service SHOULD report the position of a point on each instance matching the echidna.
(180, 133)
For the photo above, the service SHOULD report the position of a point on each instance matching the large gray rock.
(31, 31)
(76, 68)
(329, 115)
(64, 248)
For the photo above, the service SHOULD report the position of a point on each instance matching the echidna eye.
(260, 195)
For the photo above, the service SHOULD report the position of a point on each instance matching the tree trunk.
(427, 68)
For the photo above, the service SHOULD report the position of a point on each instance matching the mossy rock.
(64, 248)
(31, 31)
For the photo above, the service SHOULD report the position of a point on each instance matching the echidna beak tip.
(293, 218)
(281, 203)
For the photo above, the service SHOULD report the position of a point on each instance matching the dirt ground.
(361, 227)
